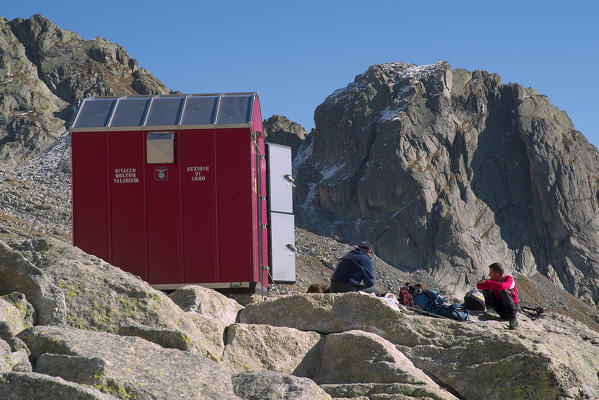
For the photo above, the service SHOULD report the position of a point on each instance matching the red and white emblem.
(161, 173)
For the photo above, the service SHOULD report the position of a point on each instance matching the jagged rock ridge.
(280, 130)
(448, 170)
(44, 73)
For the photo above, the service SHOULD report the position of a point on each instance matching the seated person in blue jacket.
(354, 272)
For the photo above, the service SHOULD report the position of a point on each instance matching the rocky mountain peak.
(45, 72)
(279, 129)
(101, 68)
(40, 35)
(394, 73)
(448, 170)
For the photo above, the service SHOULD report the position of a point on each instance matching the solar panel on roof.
(164, 111)
(199, 110)
(94, 113)
(129, 112)
(234, 110)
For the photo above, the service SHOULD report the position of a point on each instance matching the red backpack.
(407, 294)
(405, 297)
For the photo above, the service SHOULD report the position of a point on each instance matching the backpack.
(431, 301)
(408, 292)
(454, 311)
(474, 300)
(405, 297)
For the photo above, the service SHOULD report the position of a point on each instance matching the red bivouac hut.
(175, 189)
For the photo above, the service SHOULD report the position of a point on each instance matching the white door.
(280, 182)
(283, 247)
(281, 219)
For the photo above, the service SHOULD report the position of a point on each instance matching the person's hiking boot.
(491, 313)
(513, 324)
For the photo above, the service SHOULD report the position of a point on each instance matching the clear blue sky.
(295, 53)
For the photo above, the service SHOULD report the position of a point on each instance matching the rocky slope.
(35, 203)
(447, 170)
(72, 326)
(253, 359)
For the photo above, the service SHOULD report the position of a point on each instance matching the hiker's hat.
(366, 246)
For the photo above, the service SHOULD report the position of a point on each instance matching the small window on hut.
(160, 148)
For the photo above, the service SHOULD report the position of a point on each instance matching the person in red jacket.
(501, 296)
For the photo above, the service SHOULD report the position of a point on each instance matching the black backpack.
(474, 300)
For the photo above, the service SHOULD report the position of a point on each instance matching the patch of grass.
(69, 291)
(112, 387)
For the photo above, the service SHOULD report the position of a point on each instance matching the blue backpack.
(431, 301)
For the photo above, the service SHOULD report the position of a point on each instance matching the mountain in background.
(446, 170)
(45, 72)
